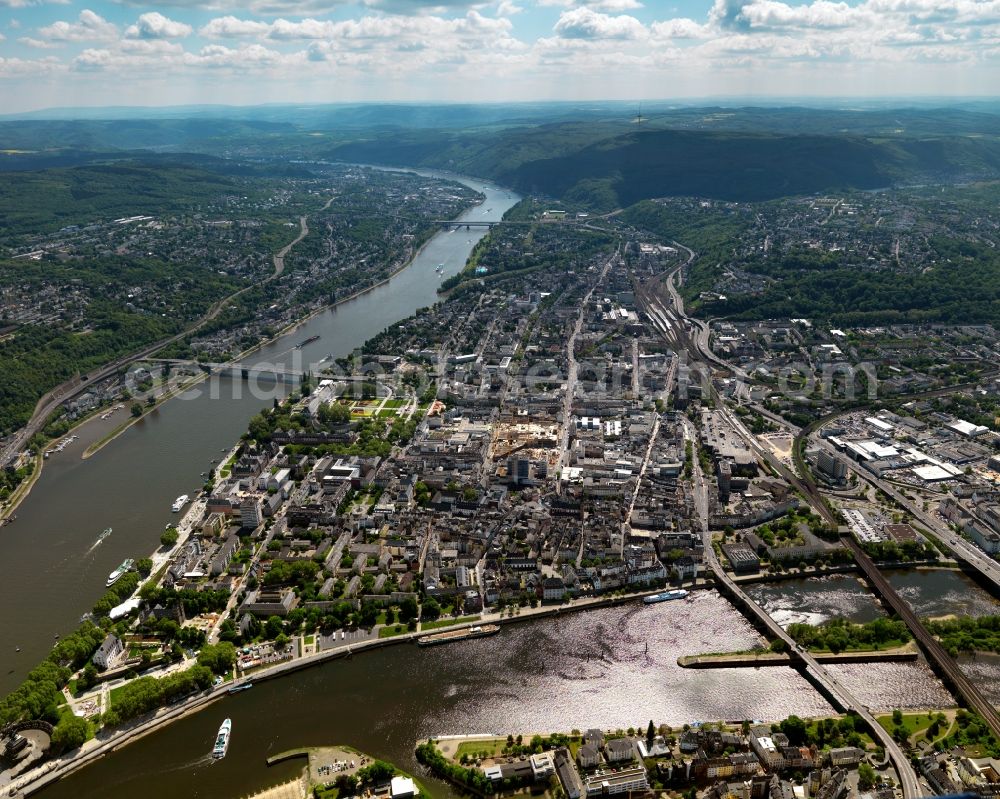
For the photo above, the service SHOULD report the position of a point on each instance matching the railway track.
(944, 662)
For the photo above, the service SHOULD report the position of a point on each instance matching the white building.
(109, 653)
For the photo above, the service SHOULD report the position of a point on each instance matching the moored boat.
(117, 573)
(458, 635)
(666, 596)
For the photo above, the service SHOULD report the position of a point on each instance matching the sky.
(244, 52)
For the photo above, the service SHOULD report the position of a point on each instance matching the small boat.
(116, 575)
(179, 503)
(666, 596)
(235, 689)
(309, 340)
(103, 535)
(222, 739)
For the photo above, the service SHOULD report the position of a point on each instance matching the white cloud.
(306, 29)
(584, 23)
(40, 44)
(150, 47)
(153, 25)
(613, 6)
(89, 27)
(680, 28)
(30, 68)
(251, 56)
(370, 31)
(28, 4)
(229, 27)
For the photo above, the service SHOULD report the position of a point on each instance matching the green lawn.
(895, 644)
(491, 746)
(915, 724)
(433, 625)
(116, 693)
(392, 632)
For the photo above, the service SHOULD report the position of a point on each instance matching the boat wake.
(97, 543)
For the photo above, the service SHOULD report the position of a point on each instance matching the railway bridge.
(944, 663)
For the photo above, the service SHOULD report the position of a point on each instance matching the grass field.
(491, 746)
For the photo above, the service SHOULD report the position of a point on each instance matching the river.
(50, 569)
(612, 667)
(930, 592)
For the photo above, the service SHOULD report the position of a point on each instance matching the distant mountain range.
(601, 155)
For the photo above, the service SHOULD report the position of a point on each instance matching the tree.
(866, 776)
(144, 566)
(650, 733)
(169, 537)
(136, 409)
(795, 729)
(431, 610)
(218, 657)
(334, 414)
(376, 773)
(87, 678)
(71, 732)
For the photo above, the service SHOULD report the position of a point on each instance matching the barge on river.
(458, 635)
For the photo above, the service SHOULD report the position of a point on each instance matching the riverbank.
(326, 764)
(97, 446)
(22, 490)
(98, 747)
(736, 660)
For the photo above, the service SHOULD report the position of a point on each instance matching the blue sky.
(129, 52)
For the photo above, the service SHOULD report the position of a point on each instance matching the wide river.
(52, 570)
(610, 667)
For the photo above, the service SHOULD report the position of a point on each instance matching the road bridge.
(238, 371)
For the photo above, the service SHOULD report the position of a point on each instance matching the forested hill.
(728, 166)
(598, 166)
